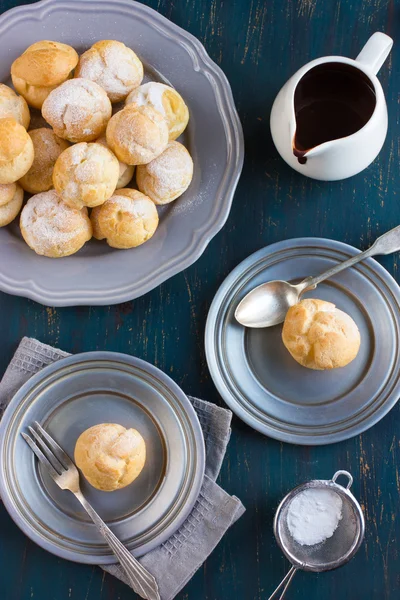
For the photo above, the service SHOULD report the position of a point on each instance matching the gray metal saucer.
(261, 382)
(68, 397)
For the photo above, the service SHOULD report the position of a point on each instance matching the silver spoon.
(268, 303)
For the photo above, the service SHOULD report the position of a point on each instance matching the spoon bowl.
(268, 303)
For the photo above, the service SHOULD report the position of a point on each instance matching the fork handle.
(142, 582)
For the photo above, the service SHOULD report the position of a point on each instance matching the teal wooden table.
(259, 44)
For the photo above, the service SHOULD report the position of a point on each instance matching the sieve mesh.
(334, 551)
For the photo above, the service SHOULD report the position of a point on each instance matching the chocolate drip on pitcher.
(332, 101)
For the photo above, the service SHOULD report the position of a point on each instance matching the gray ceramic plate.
(98, 274)
(67, 398)
(262, 383)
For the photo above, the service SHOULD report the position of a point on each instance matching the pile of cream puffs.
(86, 156)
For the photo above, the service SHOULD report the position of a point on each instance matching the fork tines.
(47, 450)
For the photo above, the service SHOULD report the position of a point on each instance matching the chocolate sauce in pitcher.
(332, 101)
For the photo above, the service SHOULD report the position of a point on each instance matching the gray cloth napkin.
(174, 562)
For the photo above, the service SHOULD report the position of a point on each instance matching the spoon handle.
(386, 244)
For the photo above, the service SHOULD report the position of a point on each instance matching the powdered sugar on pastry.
(166, 177)
(139, 208)
(113, 66)
(78, 110)
(126, 220)
(51, 228)
(137, 134)
(86, 175)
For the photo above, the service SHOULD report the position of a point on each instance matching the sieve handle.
(345, 474)
(286, 581)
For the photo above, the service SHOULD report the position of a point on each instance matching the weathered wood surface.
(259, 44)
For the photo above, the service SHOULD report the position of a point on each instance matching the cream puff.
(166, 101)
(16, 151)
(110, 456)
(137, 134)
(166, 177)
(53, 229)
(320, 336)
(126, 220)
(113, 66)
(47, 148)
(12, 105)
(11, 198)
(41, 68)
(86, 175)
(78, 110)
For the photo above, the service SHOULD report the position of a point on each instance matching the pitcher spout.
(303, 155)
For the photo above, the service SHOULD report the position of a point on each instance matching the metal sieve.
(333, 552)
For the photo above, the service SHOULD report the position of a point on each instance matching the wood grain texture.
(259, 44)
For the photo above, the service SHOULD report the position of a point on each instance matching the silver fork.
(66, 476)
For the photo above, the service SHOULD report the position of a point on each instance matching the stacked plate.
(67, 398)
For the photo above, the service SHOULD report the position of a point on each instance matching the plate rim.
(211, 351)
(199, 462)
(200, 238)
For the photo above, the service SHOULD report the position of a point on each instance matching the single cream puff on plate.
(110, 456)
(320, 336)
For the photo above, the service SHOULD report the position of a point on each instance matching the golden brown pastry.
(16, 151)
(166, 177)
(7, 192)
(41, 68)
(320, 336)
(13, 106)
(137, 134)
(47, 147)
(11, 198)
(110, 456)
(78, 110)
(166, 101)
(51, 228)
(127, 220)
(125, 171)
(86, 175)
(112, 65)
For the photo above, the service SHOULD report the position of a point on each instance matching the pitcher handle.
(375, 51)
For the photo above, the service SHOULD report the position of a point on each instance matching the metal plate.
(263, 384)
(67, 398)
(214, 138)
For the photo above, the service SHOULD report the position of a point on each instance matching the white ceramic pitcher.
(345, 156)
